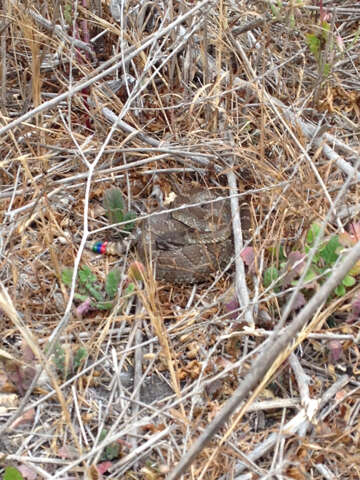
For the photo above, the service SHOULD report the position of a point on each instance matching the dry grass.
(218, 94)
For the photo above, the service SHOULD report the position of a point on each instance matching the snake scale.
(187, 244)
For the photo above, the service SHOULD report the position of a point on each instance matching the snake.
(186, 242)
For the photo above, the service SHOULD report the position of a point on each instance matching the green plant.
(285, 13)
(88, 285)
(275, 9)
(113, 204)
(59, 358)
(320, 43)
(12, 473)
(111, 451)
(323, 261)
(90, 291)
(68, 9)
(79, 356)
(325, 258)
(320, 39)
(66, 360)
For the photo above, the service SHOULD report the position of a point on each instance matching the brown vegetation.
(258, 100)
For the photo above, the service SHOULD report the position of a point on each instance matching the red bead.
(103, 248)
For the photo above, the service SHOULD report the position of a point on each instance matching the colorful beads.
(99, 247)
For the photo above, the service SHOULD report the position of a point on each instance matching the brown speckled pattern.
(187, 245)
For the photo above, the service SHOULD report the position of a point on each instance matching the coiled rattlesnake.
(187, 241)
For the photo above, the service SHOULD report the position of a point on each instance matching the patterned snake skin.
(188, 244)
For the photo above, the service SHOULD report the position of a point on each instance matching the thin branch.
(277, 344)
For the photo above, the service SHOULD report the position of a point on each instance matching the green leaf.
(282, 266)
(313, 43)
(67, 275)
(86, 276)
(80, 297)
(115, 216)
(275, 11)
(328, 252)
(95, 292)
(59, 358)
(129, 290)
(112, 451)
(292, 21)
(113, 204)
(79, 356)
(12, 473)
(271, 275)
(279, 252)
(115, 209)
(68, 12)
(113, 199)
(282, 256)
(309, 277)
(325, 29)
(112, 282)
(326, 69)
(340, 290)
(313, 233)
(104, 305)
(316, 259)
(129, 216)
(348, 281)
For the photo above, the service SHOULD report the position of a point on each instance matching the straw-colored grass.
(144, 96)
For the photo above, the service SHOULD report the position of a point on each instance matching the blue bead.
(97, 247)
